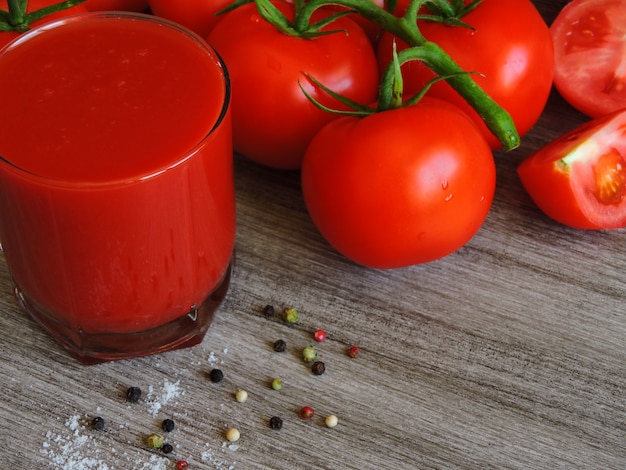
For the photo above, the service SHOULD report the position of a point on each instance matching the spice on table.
(290, 315)
(133, 394)
(306, 412)
(276, 422)
(98, 423)
(318, 368)
(280, 345)
(241, 396)
(353, 351)
(182, 465)
(319, 336)
(167, 448)
(331, 421)
(216, 375)
(277, 383)
(155, 441)
(268, 311)
(309, 354)
(168, 425)
(233, 435)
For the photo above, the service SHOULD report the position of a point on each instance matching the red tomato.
(116, 5)
(197, 15)
(34, 5)
(273, 121)
(590, 66)
(400, 187)
(509, 46)
(580, 179)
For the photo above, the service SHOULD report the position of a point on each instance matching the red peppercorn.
(353, 351)
(306, 412)
(320, 336)
(182, 465)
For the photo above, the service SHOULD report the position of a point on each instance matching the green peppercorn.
(277, 384)
(216, 375)
(98, 423)
(276, 423)
(133, 394)
(280, 345)
(290, 315)
(168, 425)
(318, 368)
(155, 441)
(309, 354)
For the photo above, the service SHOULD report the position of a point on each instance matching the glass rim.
(175, 162)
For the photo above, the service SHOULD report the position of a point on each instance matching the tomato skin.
(589, 41)
(33, 5)
(510, 48)
(273, 121)
(579, 179)
(401, 187)
(196, 15)
(116, 5)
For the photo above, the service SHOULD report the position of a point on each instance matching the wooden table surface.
(510, 353)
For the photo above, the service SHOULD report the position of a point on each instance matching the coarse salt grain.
(156, 400)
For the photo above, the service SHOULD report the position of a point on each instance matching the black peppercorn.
(216, 376)
(167, 448)
(276, 422)
(318, 368)
(280, 345)
(168, 425)
(133, 394)
(268, 312)
(98, 423)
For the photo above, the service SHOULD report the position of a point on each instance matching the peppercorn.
(353, 351)
(280, 345)
(216, 375)
(182, 465)
(168, 425)
(276, 423)
(98, 423)
(309, 354)
(233, 435)
(318, 368)
(167, 448)
(241, 396)
(277, 384)
(320, 336)
(331, 421)
(133, 394)
(268, 311)
(155, 441)
(306, 412)
(290, 315)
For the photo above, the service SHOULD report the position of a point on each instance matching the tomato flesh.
(579, 179)
(590, 55)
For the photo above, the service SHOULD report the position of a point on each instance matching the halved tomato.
(580, 179)
(590, 55)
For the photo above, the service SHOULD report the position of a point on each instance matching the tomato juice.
(117, 211)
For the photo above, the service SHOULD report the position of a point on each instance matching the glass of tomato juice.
(117, 207)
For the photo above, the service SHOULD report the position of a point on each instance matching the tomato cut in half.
(579, 179)
(590, 55)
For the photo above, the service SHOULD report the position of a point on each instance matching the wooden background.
(509, 353)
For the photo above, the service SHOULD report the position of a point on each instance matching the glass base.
(186, 331)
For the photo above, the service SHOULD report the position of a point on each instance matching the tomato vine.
(17, 19)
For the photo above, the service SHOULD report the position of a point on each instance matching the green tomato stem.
(16, 18)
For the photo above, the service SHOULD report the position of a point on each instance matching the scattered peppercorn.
(233, 435)
(306, 412)
(268, 311)
(320, 336)
(318, 368)
(133, 394)
(241, 396)
(353, 351)
(155, 441)
(276, 423)
(280, 345)
(331, 421)
(168, 425)
(216, 375)
(98, 423)
(277, 384)
(290, 315)
(167, 448)
(182, 465)
(309, 354)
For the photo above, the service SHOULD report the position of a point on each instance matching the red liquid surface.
(116, 194)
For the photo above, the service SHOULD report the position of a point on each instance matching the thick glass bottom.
(187, 330)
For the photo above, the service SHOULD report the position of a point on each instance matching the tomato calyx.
(17, 19)
(449, 13)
